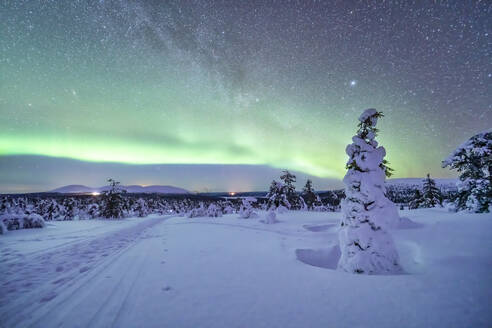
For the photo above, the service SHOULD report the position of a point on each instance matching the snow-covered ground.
(230, 272)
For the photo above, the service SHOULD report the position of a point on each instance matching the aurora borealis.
(265, 83)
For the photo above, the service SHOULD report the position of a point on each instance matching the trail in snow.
(29, 282)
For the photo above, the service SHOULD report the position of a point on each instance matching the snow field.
(231, 272)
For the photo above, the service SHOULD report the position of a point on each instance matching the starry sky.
(149, 91)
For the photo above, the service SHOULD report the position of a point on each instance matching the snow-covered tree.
(310, 198)
(214, 211)
(54, 211)
(417, 200)
(246, 211)
(365, 243)
(228, 209)
(93, 211)
(473, 160)
(112, 201)
(430, 193)
(197, 211)
(295, 201)
(70, 208)
(140, 208)
(277, 196)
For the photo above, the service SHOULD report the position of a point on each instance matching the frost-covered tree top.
(364, 141)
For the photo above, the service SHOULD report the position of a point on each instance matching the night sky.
(161, 88)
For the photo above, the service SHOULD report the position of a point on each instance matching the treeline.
(32, 210)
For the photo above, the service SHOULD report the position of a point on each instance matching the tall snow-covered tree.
(288, 180)
(416, 202)
(365, 243)
(295, 201)
(112, 201)
(310, 198)
(473, 160)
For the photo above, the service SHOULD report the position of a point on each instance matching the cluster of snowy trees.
(20, 212)
(283, 196)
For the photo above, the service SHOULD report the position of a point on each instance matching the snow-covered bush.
(214, 211)
(197, 212)
(16, 221)
(473, 160)
(365, 244)
(228, 209)
(247, 211)
(270, 217)
(33, 221)
(282, 209)
(141, 209)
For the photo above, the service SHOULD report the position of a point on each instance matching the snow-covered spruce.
(113, 201)
(365, 244)
(295, 201)
(429, 197)
(473, 160)
(277, 196)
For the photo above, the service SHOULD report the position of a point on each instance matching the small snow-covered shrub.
(21, 221)
(33, 221)
(282, 209)
(270, 217)
(3, 228)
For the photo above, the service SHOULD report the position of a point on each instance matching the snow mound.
(406, 223)
(318, 228)
(326, 258)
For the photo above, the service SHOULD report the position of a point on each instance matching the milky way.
(277, 83)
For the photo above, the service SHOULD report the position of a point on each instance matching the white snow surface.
(227, 272)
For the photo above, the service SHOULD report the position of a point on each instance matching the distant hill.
(442, 182)
(75, 189)
(78, 189)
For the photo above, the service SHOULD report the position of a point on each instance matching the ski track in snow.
(53, 275)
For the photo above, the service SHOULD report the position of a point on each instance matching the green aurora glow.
(82, 82)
